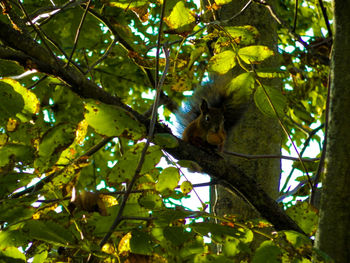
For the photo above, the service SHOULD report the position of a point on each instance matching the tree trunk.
(333, 236)
(256, 133)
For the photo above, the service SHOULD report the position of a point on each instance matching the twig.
(37, 82)
(283, 126)
(38, 32)
(55, 44)
(323, 155)
(98, 61)
(158, 86)
(292, 192)
(306, 144)
(39, 185)
(282, 23)
(78, 32)
(295, 16)
(249, 157)
(326, 20)
(138, 218)
(124, 44)
(239, 13)
(36, 16)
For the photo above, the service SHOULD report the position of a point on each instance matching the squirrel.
(209, 115)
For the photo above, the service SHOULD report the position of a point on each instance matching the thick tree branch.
(30, 54)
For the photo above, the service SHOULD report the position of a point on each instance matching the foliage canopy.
(76, 77)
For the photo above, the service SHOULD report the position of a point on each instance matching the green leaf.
(16, 153)
(230, 247)
(141, 243)
(177, 235)
(305, 215)
(222, 2)
(127, 4)
(40, 257)
(50, 232)
(150, 200)
(10, 68)
(242, 86)
(272, 74)
(267, 252)
(12, 254)
(186, 187)
(222, 62)
(65, 100)
(12, 181)
(111, 120)
(15, 211)
(297, 240)
(168, 179)
(211, 258)
(179, 17)
(12, 236)
(54, 141)
(278, 100)
(126, 166)
(254, 54)
(11, 102)
(192, 166)
(165, 140)
(219, 232)
(243, 35)
(31, 102)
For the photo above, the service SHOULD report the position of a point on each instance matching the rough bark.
(256, 134)
(333, 236)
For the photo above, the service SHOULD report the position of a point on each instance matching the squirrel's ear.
(204, 106)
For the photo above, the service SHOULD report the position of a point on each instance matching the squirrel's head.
(212, 119)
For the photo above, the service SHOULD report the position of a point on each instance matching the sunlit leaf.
(305, 216)
(12, 254)
(298, 240)
(125, 168)
(11, 101)
(272, 74)
(40, 257)
(168, 179)
(186, 187)
(222, 62)
(53, 142)
(180, 16)
(31, 102)
(12, 236)
(113, 121)
(242, 86)
(243, 35)
(267, 252)
(222, 2)
(127, 4)
(254, 54)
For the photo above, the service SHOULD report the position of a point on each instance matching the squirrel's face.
(212, 120)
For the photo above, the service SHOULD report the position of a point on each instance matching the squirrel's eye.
(207, 118)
